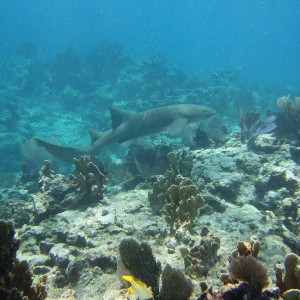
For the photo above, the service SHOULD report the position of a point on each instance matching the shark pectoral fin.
(61, 152)
(95, 135)
(118, 116)
(127, 143)
(177, 126)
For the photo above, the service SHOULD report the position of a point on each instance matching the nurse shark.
(127, 126)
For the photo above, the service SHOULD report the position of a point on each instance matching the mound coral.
(289, 107)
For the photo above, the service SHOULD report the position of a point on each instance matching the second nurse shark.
(127, 126)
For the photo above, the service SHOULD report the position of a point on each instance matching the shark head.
(197, 113)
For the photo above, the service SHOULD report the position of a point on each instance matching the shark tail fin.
(95, 135)
(118, 116)
(60, 152)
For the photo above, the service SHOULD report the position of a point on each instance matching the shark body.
(127, 126)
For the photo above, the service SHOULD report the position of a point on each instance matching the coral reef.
(107, 60)
(15, 276)
(67, 69)
(71, 229)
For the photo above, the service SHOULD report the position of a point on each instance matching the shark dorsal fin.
(118, 116)
(94, 135)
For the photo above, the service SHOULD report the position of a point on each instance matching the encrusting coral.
(199, 260)
(15, 276)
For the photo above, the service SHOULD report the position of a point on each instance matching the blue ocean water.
(63, 63)
(262, 38)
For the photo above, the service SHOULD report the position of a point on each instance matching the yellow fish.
(138, 289)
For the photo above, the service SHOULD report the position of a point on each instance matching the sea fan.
(250, 270)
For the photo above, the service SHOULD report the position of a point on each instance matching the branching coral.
(59, 193)
(91, 177)
(288, 277)
(182, 204)
(179, 199)
(181, 162)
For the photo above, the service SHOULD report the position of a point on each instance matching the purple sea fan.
(266, 126)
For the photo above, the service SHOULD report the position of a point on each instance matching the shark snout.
(209, 111)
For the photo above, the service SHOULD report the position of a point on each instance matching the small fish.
(138, 289)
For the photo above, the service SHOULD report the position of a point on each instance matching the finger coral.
(288, 276)
(179, 198)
